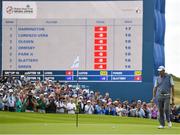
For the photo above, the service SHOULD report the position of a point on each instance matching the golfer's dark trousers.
(164, 109)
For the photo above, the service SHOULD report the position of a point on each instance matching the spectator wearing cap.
(89, 108)
(71, 106)
(91, 95)
(139, 111)
(164, 88)
(11, 101)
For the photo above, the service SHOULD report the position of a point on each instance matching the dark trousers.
(164, 108)
(11, 109)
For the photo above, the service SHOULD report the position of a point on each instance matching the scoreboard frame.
(127, 90)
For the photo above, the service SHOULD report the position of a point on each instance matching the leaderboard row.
(81, 76)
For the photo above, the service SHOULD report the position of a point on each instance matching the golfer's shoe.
(160, 127)
(169, 124)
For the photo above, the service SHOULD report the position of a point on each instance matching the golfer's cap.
(161, 68)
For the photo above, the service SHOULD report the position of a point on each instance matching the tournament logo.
(9, 9)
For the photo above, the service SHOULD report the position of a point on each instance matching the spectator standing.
(71, 107)
(11, 101)
(89, 108)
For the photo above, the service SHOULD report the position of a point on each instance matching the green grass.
(33, 123)
(177, 92)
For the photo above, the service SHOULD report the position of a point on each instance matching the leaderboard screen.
(85, 41)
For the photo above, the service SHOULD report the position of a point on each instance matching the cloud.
(172, 37)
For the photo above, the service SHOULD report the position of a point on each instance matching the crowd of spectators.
(23, 95)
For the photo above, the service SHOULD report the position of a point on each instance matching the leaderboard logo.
(23, 10)
(17, 9)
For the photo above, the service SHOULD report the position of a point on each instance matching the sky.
(172, 37)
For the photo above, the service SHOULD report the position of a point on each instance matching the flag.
(75, 63)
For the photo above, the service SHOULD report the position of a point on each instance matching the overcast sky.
(172, 37)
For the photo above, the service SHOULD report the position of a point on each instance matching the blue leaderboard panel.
(80, 76)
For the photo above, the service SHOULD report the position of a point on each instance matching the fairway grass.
(34, 123)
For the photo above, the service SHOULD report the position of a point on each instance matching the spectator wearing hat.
(89, 108)
(71, 106)
(11, 101)
(139, 111)
(164, 88)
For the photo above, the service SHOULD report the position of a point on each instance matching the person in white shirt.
(89, 109)
(71, 107)
(11, 101)
(61, 105)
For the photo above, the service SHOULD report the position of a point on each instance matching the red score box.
(137, 78)
(100, 54)
(100, 66)
(100, 28)
(100, 60)
(100, 35)
(69, 72)
(100, 41)
(100, 48)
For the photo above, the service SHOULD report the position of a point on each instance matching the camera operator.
(30, 102)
